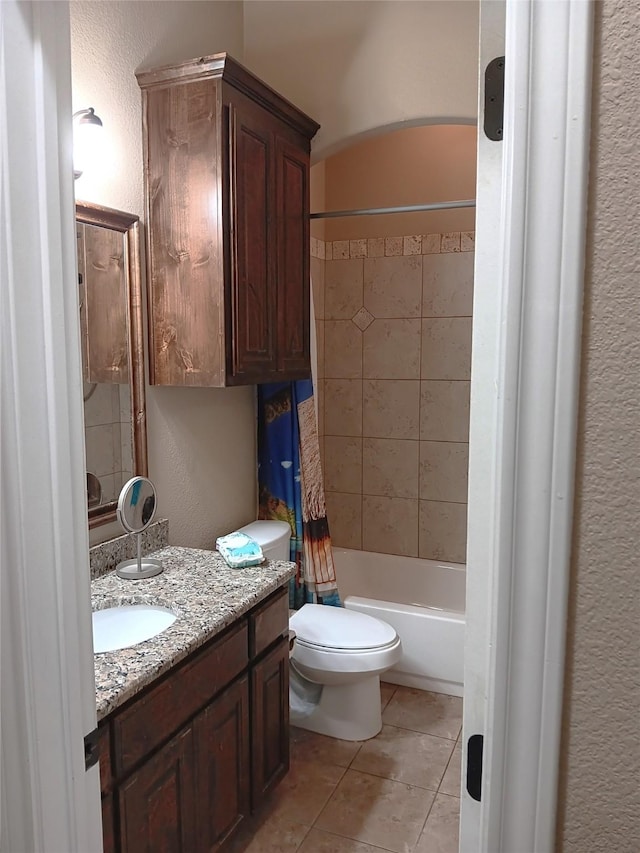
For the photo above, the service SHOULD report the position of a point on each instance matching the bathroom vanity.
(193, 724)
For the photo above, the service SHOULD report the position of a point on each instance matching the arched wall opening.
(393, 300)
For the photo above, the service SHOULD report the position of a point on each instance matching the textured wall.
(599, 791)
(201, 441)
(357, 66)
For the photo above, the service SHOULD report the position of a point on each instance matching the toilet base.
(347, 711)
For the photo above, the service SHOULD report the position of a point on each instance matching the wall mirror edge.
(129, 226)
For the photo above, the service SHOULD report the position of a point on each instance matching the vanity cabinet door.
(222, 767)
(157, 803)
(269, 721)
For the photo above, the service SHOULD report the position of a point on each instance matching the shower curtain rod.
(410, 208)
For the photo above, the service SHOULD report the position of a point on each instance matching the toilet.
(337, 658)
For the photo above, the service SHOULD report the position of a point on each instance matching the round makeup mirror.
(135, 511)
(136, 504)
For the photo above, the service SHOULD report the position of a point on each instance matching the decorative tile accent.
(105, 557)
(340, 250)
(431, 244)
(357, 248)
(378, 247)
(412, 245)
(392, 246)
(363, 319)
(375, 247)
(450, 242)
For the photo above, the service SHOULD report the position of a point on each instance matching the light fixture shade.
(87, 136)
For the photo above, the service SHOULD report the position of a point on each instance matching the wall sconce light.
(86, 133)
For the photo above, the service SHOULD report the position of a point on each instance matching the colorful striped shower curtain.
(291, 488)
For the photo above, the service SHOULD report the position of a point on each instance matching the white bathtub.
(424, 600)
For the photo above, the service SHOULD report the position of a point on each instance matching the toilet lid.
(336, 628)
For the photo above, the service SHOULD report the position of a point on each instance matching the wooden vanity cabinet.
(226, 163)
(184, 763)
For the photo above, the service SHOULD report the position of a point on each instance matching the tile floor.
(397, 792)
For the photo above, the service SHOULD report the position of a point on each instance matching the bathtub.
(423, 600)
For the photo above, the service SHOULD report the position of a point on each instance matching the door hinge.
(474, 766)
(91, 749)
(494, 99)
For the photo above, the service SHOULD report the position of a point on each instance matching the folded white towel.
(239, 550)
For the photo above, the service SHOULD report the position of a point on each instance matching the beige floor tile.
(441, 834)
(275, 835)
(451, 781)
(304, 791)
(386, 692)
(431, 713)
(309, 746)
(376, 811)
(325, 842)
(405, 756)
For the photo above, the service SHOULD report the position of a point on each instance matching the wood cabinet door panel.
(222, 766)
(108, 829)
(164, 708)
(269, 722)
(183, 168)
(269, 622)
(292, 206)
(253, 297)
(157, 803)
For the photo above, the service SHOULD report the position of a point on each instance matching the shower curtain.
(291, 488)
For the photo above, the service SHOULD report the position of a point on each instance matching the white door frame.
(47, 691)
(525, 371)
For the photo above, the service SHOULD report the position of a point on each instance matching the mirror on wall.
(110, 304)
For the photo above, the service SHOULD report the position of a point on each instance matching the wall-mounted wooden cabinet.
(226, 162)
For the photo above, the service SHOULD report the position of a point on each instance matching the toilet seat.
(334, 629)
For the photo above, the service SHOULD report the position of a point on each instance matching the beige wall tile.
(391, 349)
(100, 450)
(450, 242)
(343, 464)
(412, 245)
(102, 407)
(447, 285)
(446, 348)
(343, 350)
(378, 811)
(328, 251)
(357, 248)
(443, 531)
(431, 244)
(444, 410)
(317, 286)
(443, 471)
(391, 408)
(320, 367)
(390, 467)
(344, 514)
(467, 241)
(343, 406)
(393, 286)
(343, 289)
(319, 393)
(375, 247)
(390, 525)
(441, 831)
(392, 246)
(340, 250)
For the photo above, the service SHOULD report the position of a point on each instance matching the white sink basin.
(125, 626)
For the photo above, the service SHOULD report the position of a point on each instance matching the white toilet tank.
(272, 536)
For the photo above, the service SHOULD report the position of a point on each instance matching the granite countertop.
(201, 589)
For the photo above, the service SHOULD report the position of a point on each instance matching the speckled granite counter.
(201, 589)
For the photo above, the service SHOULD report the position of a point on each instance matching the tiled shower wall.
(394, 353)
(108, 437)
